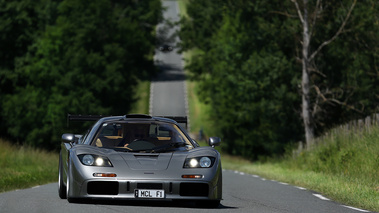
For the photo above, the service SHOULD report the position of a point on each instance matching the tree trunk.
(305, 84)
(306, 111)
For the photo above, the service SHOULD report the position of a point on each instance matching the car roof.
(143, 117)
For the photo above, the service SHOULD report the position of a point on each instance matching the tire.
(62, 189)
(69, 199)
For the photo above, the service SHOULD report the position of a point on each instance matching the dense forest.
(70, 56)
(248, 58)
(86, 57)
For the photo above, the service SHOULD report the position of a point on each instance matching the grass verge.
(23, 167)
(200, 112)
(340, 188)
(142, 97)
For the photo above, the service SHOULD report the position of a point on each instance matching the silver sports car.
(139, 157)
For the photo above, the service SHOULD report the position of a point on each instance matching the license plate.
(149, 193)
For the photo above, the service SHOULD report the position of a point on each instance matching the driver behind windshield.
(137, 132)
(151, 134)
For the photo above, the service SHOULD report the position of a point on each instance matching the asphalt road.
(168, 89)
(241, 192)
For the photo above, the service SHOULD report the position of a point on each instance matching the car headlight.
(199, 162)
(94, 160)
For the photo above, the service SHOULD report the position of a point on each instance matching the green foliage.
(247, 84)
(246, 68)
(88, 61)
(21, 21)
(348, 65)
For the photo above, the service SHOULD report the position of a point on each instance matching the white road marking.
(320, 197)
(361, 210)
(301, 188)
(283, 183)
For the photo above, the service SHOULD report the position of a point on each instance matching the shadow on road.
(169, 72)
(150, 203)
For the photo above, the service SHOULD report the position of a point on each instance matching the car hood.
(141, 161)
(161, 161)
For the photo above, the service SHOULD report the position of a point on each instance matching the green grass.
(198, 112)
(23, 167)
(348, 190)
(182, 7)
(344, 165)
(142, 96)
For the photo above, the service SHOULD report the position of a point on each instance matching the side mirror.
(68, 138)
(214, 141)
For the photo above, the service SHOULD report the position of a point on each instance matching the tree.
(246, 76)
(21, 23)
(246, 61)
(307, 57)
(88, 61)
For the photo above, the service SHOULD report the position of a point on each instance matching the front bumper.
(82, 184)
(125, 189)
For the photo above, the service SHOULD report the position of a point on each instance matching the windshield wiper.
(131, 150)
(121, 149)
(168, 147)
(163, 148)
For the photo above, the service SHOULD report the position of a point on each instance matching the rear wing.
(178, 119)
(84, 118)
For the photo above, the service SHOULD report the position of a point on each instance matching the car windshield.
(141, 137)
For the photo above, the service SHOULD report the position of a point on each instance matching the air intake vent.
(102, 188)
(194, 189)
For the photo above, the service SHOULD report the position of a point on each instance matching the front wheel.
(61, 185)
